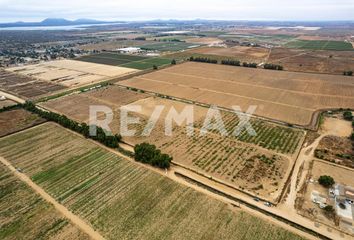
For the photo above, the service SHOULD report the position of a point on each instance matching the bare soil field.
(311, 210)
(284, 96)
(121, 199)
(248, 54)
(6, 103)
(333, 62)
(16, 120)
(77, 106)
(204, 40)
(24, 215)
(25, 86)
(70, 73)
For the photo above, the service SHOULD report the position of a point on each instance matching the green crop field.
(320, 45)
(148, 63)
(121, 199)
(24, 215)
(122, 60)
(168, 46)
(110, 58)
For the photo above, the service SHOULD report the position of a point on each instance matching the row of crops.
(224, 157)
(269, 136)
(122, 200)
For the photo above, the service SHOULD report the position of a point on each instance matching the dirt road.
(63, 210)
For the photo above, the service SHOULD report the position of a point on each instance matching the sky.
(282, 10)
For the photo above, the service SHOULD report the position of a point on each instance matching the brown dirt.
(27, 87)
(248, 54)
(284, 96)
(333, 62)
(6, 103)
(337, 150)
(16, 120)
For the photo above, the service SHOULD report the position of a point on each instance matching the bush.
(204, 60)
(173, 62)
(326, 181)
(154, 67)
(250, 65)
(148, 153)
(348, 73)
(347, 115)
(273, 66)
(231, 62)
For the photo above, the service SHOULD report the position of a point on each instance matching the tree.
(173, 62)
(148, 153)
(348, 115)
(154, 67)
(326, 181)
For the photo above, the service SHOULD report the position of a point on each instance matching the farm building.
(129, 50)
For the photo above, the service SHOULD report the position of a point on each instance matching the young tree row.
(148, 153)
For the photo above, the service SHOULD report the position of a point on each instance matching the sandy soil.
(72, 73)
(337, 127)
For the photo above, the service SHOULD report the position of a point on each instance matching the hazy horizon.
(133, 10)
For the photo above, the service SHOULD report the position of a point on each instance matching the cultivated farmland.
(168, 46)
(121, 199)
(320, 45)
(16, 120)
(24, 215)
(244, 161)
(25, 86)
(247, 54)
(127, 61)
(283, 96)
(70, 73)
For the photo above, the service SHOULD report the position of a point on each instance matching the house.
(344, 201)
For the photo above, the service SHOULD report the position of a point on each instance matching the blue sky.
(34, 10)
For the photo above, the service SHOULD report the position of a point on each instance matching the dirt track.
(63, 210)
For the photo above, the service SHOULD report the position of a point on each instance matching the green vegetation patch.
(320, 45)
(148, 63)
(168, 46)
(110, 58)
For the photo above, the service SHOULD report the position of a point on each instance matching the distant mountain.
(53, 22)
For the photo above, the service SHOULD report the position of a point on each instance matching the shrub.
(173, 62)
(154, 67)
(326, 181)
(347, 115)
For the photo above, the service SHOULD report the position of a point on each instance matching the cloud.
(178, 9)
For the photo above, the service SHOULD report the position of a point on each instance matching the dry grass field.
(284, 96)
(121, 199)
(204, 40)
(24, 215)
(70, 73)
(333, 62)
(25, 86)
(17, 120)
